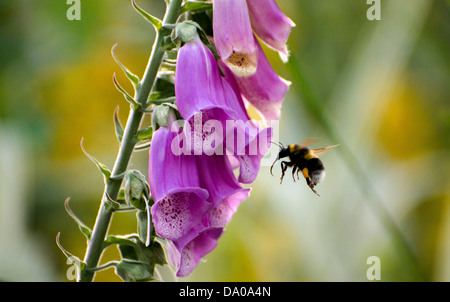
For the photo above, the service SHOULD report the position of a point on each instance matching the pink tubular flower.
(265, 90)
(203, 238)
(180, 202)
(203, 94)
(233, 36)
(234, 21)
(270, 24)
(195, 196)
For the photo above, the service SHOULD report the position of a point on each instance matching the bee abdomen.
(317, 176)
(316, 170)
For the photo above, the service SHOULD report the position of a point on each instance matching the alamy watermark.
(374, 11)
(374, 270)
(74, 10)
(73, 271)
(224, 137)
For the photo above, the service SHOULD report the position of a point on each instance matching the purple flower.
(191, 174)
(233, 36)
(203, 238)
(270, 24)
(188, 252)
(195, 196)
(205, 96)
(234, 22)
(265, 89)
(180, 201)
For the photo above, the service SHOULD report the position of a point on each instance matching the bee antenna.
(278, 144)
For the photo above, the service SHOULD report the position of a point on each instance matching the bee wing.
(322, 150)
(308, 142)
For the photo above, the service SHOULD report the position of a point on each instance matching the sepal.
(160, 117)
(195, 6)
(133, 271)
(118, 125)
(153, 20)
(145, 134)
(128, 97)
(136, 189)
(132, 77)
(134, 251)
(105, 171)
(83, 228)
(74, 259)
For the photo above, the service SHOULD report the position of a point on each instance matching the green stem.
(112, 187)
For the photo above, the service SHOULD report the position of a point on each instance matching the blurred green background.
(378, 88)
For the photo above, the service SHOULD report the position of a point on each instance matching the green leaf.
(105, 171)
(157, 96)
(83, 228)
(134, 251)
(153, 20)
(133, 271)
(131, 100)
(204, 19)
(120, 240)
(111, 202)
(186, 31)
(118, 125)
(136, 187)
(131, 76)
(145, 134)
(195, 6)
(144, 226)
(165, 101)
(154, 253)
(168, 43)
(160, 115)
(128, 251)
(74, 259)
(121, 197)
(143, 147)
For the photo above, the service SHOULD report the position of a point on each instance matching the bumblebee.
(304, 160)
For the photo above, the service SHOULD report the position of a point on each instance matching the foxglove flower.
(270, 24)
(195, 197)
(180, 202)
(203, 94)
(202, 239)
(233, 36)
(234, 21)
(261, 86)
(265, 89)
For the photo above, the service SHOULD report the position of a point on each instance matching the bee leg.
(284, 166)
(283, 170)
(293, 172)
(315, 192)
(311, 185)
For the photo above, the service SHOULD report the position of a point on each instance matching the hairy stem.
(112, 187)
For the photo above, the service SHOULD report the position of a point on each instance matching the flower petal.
(250, 160)
(195, 250)
(233, 36)
(265, 90)
(217, 178)
(180, 202)
(189, 250)
(248, 143)
(270, 24)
